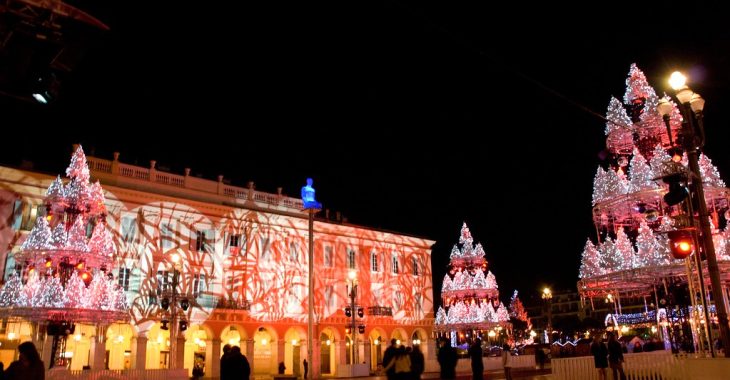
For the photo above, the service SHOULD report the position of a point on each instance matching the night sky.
(412, 118)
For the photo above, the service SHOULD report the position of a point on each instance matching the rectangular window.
(351, 262)
(395, 263)
(129, 229)
(124, 274)
(234, 240)
(416, 269)
(198, 284)
(374, 261)
(18, 214)
(294, 252)
(164, 281)
(167, 235)
(265, 248)
(329, 295)
(328, 256)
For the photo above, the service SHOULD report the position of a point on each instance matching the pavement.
(518, 373)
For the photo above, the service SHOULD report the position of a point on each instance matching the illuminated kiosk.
(633, 261)
(62, 278)
(471, 299)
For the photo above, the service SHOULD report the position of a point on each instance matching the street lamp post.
(311, 206)
(170, 300)
(691, 105)
(352, 275)
(547, 295)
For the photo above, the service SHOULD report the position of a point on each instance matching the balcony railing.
(382, 311)
(105, 168)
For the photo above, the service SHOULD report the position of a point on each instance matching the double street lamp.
(351, 312)
(692, 138)
(171, 300)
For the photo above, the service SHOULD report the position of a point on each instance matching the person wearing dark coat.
(600, 356)
(388, 356)
(240, 368)
(29, 365)
(615, 358)
(477, 366)
(447, 359)
(418, 363)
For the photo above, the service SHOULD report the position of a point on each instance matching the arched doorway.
(264, 351)
(293, 354)
(326, 353)
(378, 343)
(195, 348)
(118, 346)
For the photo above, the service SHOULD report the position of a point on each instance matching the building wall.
(244, 267)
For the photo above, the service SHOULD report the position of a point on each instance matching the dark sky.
(409, 117)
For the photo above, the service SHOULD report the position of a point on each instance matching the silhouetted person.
(225, 363)
(477, 366)
(306, 368)
(447, 358)
(615, 357)
(507, 362)
(389, 356)
(240, 369)
(540, 357)
(418, 363)
(29, 365)
(600, 356)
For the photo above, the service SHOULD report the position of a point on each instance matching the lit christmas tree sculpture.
(63, 277)
(632, 258)
(469, 294)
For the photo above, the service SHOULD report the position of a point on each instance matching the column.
(249, 353)
(139, 351)
(366, 350)
(213, 358)
(341, 352)
(98, 351)
(280, 351)
(180, 352)
(46, 350)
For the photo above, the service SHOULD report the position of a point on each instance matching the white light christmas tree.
(52, 262)
(468, 293)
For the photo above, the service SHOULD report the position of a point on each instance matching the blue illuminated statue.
(308, 196)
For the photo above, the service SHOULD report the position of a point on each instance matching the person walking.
(600, 356)
(29, 365)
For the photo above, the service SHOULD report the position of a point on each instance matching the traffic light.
(164, 324)
(348, 312)
(360, 312)
(184, 304)
(165, 303)
(677, 188)
(183, 325)
(361, 329)
(681, 242)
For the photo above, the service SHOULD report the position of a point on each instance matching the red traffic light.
(348, 312)
(360, 312)
(681, 242)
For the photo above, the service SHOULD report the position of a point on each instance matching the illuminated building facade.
(243, 271)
